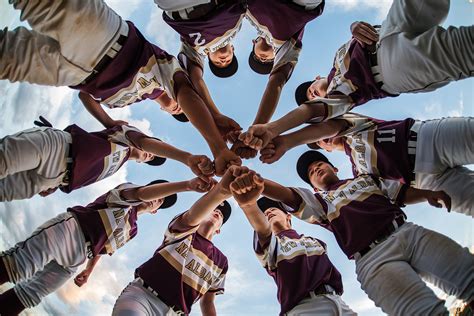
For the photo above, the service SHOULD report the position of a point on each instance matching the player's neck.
(206, 232)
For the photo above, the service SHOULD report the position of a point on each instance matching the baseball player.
(426, 154)
(113, 64)
(307, 281)
(392, 256)
(50, 256)
(207, 30)
(40, 160)
(187, 266)
(409, 53)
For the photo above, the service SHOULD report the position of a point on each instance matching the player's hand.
(247, 188)
(257, 136)
(82, 278)
(113, 123)
(231, 173)
(364, 33)
(228, 128)
(438, 199)
(274, 150)
(224, 160)
(201, 166)
(201, 186)
(243, 151)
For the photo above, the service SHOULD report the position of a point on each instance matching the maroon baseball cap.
(306, 160)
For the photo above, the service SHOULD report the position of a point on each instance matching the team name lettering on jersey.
(113, 161)
(117, 227)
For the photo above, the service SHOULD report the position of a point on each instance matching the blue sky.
(249, 291)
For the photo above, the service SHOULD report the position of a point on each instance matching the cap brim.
(181, 117)
(306, 160)
(170, 200)
(259, 67)
(226, 210)
(157, 161)
(314, 146)
(225, 72)
(265, 203)
(300, 92)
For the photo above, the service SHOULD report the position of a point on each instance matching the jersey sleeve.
(177, 230)
(125, 134)
(266, 253)
(218, 284)
(312, 209)
(394, 190)
(288, 53)
(188, 55)
(114, 197)
(333, 107)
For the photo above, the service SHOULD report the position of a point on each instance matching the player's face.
(318, 88)
(330, 144)
(222, 57)
(321, 174)
(143, 156)
(277, 218)
(262, 50)
(150, 207)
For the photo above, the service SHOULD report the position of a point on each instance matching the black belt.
(149, 288)
(412, 138)
(394, 225)
(324, 289)
(104, 62)
(198, 11)
(372, 53)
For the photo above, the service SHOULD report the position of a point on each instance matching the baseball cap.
(157, 161)
(265, 203)
(257, 66)
(226, 210)
(170, 200)
(227, 71)
(306, 160)
(300, 92)
(314, 145)
(181, 117)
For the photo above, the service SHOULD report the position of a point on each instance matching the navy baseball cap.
(300, 92)
(257, 66)
(226, 210)
(265, 203)
(170, 200)
(227, 71)
(157, 161)
(181, 117)
(306, 160)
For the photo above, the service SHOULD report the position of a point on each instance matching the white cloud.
(161, 34)
(381, 6)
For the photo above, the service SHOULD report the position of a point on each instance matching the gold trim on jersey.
(220, 41)
(263, 30)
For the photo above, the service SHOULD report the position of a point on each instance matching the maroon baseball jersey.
(211, 32)
(356, 210)
(381, 149)
(139, 71)
(184, 267)
(298, 264)
(108, 222)
(98, 155)
(352, 76)
(281, 24)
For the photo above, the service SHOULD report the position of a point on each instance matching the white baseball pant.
(61, 50)
(32, 161)
(46, 260)
(135, 300)
(323, 305)
(444, 146)
(415, 54)
(392, 273)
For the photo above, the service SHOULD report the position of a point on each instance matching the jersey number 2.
(198, 41)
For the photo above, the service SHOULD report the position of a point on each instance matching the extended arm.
(82, 277)
(97, 111)
(278, 192)
(435, 198)
(207, 304)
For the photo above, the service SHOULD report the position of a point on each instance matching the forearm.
(257, 220)
(160, 190)
(199, 115)
(94, 108)
(162, 149)
(278, 192)
(414, 196)
(269, 102)
(314, 132)
(91, 263)
(201, 88)
(208, 308)
(296, 117)
(205, 205)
